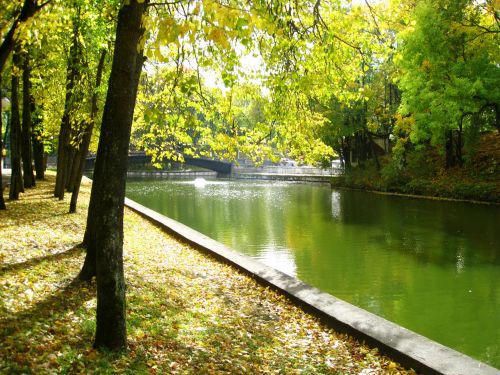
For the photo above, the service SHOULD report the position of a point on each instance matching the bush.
(424, 163)
(393, 176)
(421, 187)
(485, 191)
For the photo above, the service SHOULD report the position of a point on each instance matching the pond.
(431, 266)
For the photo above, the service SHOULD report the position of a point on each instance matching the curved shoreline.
(416, 196)
(408, 348)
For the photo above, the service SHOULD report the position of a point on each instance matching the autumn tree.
(171, 114)
(16, 181)
(27, 124)
(72, 99)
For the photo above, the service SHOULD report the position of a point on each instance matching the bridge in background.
(221, 167)
(227, 169)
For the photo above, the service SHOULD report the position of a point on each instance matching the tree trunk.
(64, 136)
(87, 136)
(73, 170)
(345, 153)
(459, 144)
(361, 148)
(108, 189)
(496, 107)
(450, 162)
(37, 142)
(65, 132)
(38, 154)
(16, 178)
(2, 201)
(373, 149)
(71, 154)
(26, 132)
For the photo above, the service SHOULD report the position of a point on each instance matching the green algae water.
(430, 266)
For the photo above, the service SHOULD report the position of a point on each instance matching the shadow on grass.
(201, 337)
(26, 338)
(32, 219)
(36, 261)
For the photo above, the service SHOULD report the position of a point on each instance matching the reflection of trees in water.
(439, 232)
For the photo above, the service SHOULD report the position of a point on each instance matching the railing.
(281, 170)
(166, 174)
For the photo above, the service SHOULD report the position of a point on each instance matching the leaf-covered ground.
(187, 313)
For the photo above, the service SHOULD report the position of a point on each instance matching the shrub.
(477, 191)
(393, 176)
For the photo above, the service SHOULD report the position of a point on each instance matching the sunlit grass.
(187, 313)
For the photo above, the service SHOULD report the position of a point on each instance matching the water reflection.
(279, 258)
(422, 264)
(336, 209)
(200, 182)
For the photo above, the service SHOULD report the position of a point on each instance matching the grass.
(187, 313)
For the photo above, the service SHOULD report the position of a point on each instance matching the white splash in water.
(199, 182)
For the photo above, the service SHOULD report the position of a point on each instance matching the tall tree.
(64, 149)
(37, 141)
(108, 189)
(27, 126)
(16, 178)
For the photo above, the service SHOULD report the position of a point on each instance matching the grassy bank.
(423, 173)
(187, 313)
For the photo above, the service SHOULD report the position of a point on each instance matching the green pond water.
(430, 266)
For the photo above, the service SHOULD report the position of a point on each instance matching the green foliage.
(424, 174)
(394, 176)
(484, 191)
(449, 66)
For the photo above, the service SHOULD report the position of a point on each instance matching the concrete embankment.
(408, 348)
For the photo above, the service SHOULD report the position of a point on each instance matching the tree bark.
(38, 153)
(496, 107)
(110, 173)
(26, 132)
(63, 148)
(87, 136)
(16, 178)
(345, 153)
(71, 154)
(2, 201)
(450, 160)
(459, 144)
(75, 163)
(36, 141)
